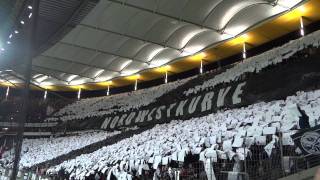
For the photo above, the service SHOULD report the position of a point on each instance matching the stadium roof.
(94, 42)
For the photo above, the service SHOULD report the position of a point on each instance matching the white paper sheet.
(227, 145)
(269, 130)
(238, 142)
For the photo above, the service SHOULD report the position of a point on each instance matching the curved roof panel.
(122, 37)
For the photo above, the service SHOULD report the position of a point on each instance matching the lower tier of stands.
(35, 151)
(252, 141)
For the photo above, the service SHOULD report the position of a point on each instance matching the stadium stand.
(256, 63)
(253, 141)
(217, 136)
(124, 102)
(98, 106)
(36, 151)
(245, 116)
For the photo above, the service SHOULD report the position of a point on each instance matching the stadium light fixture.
(203, 54)
(46, 84)
(198, 56)
(163, 69)
(133, 77)
(29, 7)
(226, 36)
(296, 13)
(30, 15)
(239, 39)
(8, 42)
(22, 22)
(301, 27)
(79, 94)
(10, 36)
(302, 9)
(16, 31)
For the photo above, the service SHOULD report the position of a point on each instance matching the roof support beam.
(128, 36)
(100, 51)
(162, 14)
(60, 71)
(211, 11)
(56, 34)
(4, 78)
(23, 80)
(74, 62)
(241, 10)
(39, 72)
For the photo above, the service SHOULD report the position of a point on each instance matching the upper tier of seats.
(259, 62)
(121, 102)
(99, 106)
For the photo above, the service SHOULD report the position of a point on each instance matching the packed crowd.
(223, 135)
(259, 62)
(120, 102)
(35, 151)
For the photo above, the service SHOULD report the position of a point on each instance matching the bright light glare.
(133, 77)
(226, 36)
(77, 82)
(288, 4)
(71, 77)
(40, 79)
(158, 62)
(46, 83)
(191, 50)
(128, 72)
(100, 79)
(302, 9)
